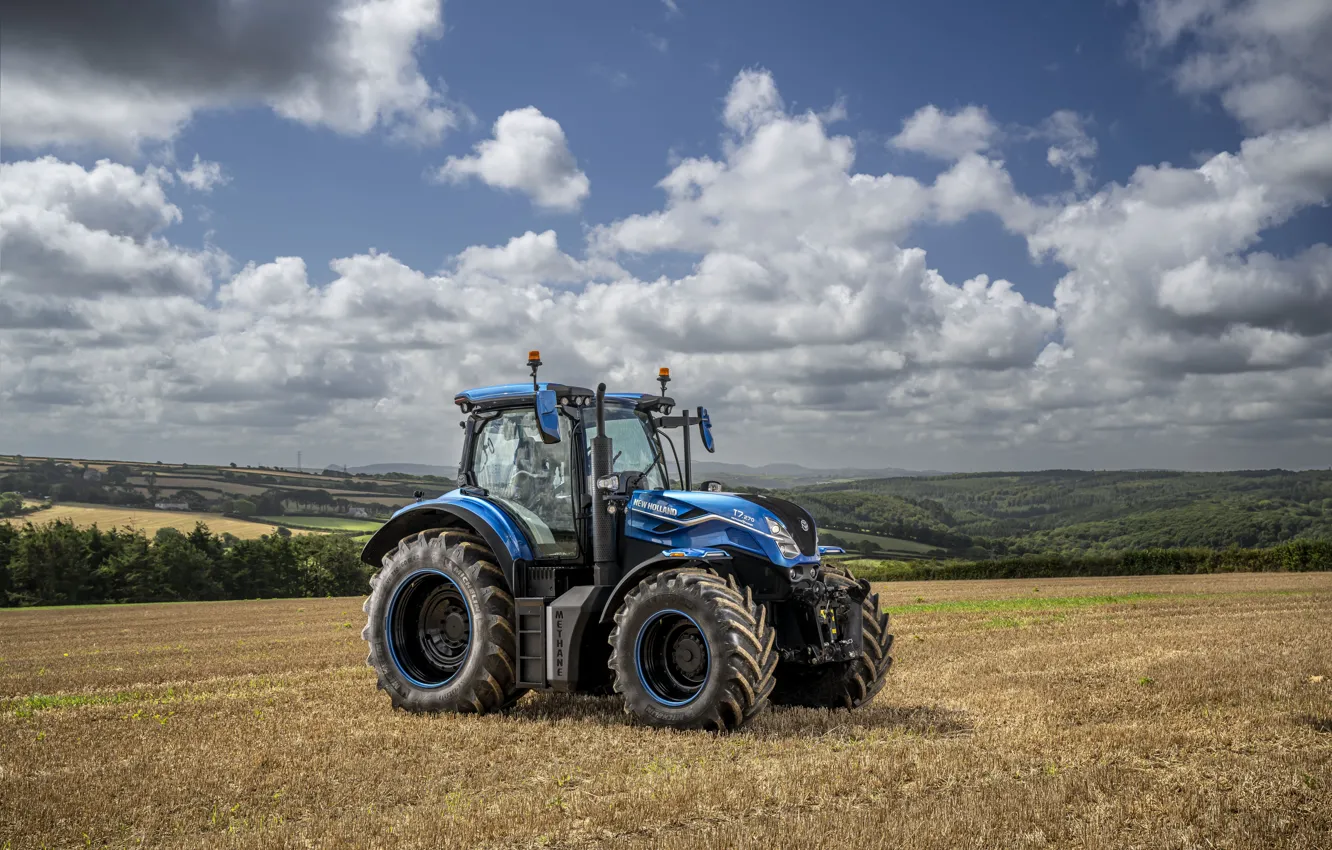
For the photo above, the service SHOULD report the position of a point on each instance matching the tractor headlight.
(785, 542)
(608, 482)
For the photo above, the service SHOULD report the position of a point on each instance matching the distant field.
(889, 544)
(107, 517)
(330, 523)
(379, 499)
(1154, 712)
(201, 484)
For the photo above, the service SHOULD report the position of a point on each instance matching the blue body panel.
(687, 519)
(508, 531)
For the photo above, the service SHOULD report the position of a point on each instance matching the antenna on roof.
(664, 378)
(534, 360)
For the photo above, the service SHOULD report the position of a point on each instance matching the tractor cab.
(577, 507)
(545, 484)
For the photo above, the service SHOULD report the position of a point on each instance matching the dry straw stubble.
(1171, 712)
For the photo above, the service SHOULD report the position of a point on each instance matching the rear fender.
(667, 559)
(454, 510)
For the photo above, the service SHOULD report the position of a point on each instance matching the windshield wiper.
(678, 470)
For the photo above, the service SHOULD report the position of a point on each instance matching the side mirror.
(705, 429)
(547, 416)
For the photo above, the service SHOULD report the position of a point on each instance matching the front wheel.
(689, 650)
(439, 622)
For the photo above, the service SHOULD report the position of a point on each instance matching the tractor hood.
(692, 518)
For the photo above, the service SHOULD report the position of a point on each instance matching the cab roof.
(506, 395)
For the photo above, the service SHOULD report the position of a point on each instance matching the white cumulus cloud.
(202, 175)
(123, 72)
(527, 153)
(947, 135)
(1269, 61)
(798, 310)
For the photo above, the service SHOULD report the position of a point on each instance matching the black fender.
(441, 515)
(667, 559)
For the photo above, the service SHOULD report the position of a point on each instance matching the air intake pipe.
(605, 568)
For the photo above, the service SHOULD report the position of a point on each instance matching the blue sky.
(321, 195)
(1190, 252)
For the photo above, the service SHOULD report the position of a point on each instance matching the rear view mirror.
(547, 416)
(705, 429)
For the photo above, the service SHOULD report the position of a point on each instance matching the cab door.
(532, 481)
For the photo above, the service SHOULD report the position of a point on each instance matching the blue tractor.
(566, 561)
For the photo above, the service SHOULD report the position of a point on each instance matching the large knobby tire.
(842, 684)
(440, 625)
(668, 625)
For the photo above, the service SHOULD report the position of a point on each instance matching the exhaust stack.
(605, 569)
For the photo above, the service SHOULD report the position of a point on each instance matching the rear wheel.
(440, 625)
(690, 650)
(842, 684)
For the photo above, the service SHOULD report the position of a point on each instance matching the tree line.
(1297, 556)
(58, 563)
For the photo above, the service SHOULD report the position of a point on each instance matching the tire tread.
(494, 688)
(750, 664)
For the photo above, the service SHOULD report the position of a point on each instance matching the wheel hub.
(455, 625)
(673, 657)
(689, 655)
(429, 628)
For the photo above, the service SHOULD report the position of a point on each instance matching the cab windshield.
(634, 447)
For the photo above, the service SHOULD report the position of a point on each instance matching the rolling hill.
(1070, 511)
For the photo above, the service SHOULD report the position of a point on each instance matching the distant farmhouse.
(172, 506)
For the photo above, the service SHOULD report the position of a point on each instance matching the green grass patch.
(30, 705)
(323, 523)
(1036, 603)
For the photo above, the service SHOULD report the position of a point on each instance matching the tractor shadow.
(879, 718)
(1316, 722)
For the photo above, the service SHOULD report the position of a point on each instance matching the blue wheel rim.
(428, 628)
(672, 657)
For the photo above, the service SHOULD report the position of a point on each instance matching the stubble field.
(1127, 712)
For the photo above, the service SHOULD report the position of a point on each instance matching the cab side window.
(529, 478)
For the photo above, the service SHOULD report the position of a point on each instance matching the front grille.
(791, 515)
